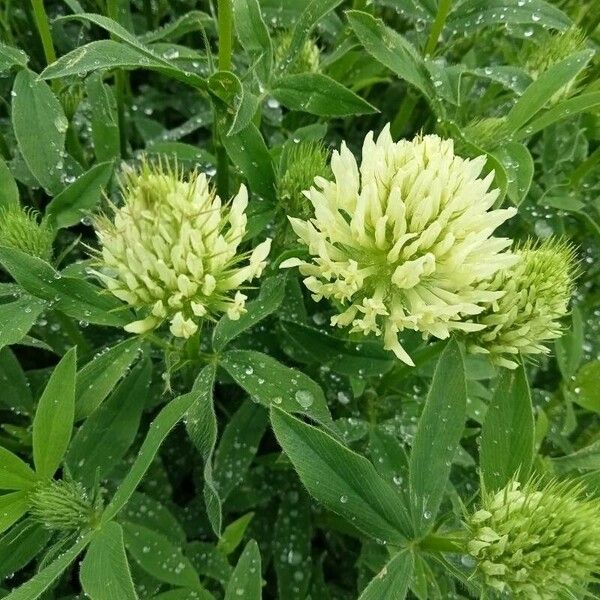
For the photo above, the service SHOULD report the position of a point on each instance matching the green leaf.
(75, 297)
(507, 434)
(37, 115)
(234, 534)
(81, 197)
(104, 572)
(270, 298)
(193, 20)
(17, 318)
(15, 474)
(391, 50)
(11, 57)
(569, 347)
(109, 431)
(53, 421)
(345, 482)
(273, 384)
(238, 446)
(362, 359)
(201, 425)
(240, 103)
(20, 545)
(542, 89)
(518, 163)
(477, 14)
(16, 393)
(586, 459)
(12, 507)
(246, 579)
(104, 119)
(159, 557)
(394, 579)
(164, 422)
(249, 153)
(42, 580)
(254, 36)
(320, 95)
(438, 435)
(98, 377)
(313, 12)
(566, 109)
(585, 386)
(9, 192)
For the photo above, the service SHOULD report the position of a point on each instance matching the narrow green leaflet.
(53, 421)
(542, 89)
(201, 425)
(273, 384)
(394, 579)
(17, 318)
(16, 393)
(109, 431)
(518, 163)
(392, 50)
(104, 119)
(438, 435)
(42, 580)
(209, 562)
(238, 446)
(254, 36)
(11, 57)
(104, 572)
(159, 557)
(37, 115)
(270, 298)
(9, 192)
(81, 197)
(98, 377)
(342, 480)
(586, 459)
(585, 386)
(248, 152)
(233, 534)
(168, 417)
(75, 297)
(320, 95)
(507, 434)
(15, 474)
(246, 579)
(20, 545)
(12, 507)
(569, 348)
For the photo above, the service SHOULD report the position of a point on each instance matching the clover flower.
(20, 229)
(538, 541)
(405, 241)
(171, 251)
(307, 58)
(537, 290)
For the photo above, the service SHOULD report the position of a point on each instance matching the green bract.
(22, 229)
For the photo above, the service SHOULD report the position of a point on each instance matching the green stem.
(225, 8)
(43, 27)
(149, 14)
(454, 543)
(437, 26)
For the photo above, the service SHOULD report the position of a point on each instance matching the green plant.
(397, 397)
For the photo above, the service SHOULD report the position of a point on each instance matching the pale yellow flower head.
(171, 250)
(537, 290)
(404, 241)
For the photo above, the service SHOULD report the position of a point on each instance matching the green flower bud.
(537, 541)
(308, 56)
(63, 505)
(171, 251)
(20, 229)
(537, 290)
(299, 165)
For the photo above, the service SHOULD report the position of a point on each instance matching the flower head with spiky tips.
(21, 229)
(537, 290)
(404, 241)
(171, 251)
(537, 541)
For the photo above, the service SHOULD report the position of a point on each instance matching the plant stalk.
(43, 27)
(437, 26)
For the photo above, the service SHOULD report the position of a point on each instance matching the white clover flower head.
(404, 241)
(171, 250)
(536, 541)
(537, 290)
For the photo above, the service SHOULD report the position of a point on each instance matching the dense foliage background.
(170, 478)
